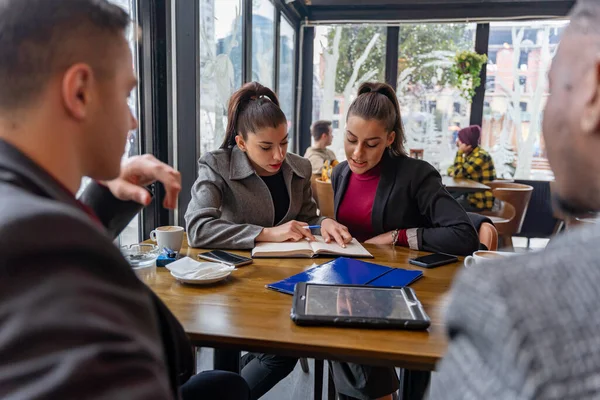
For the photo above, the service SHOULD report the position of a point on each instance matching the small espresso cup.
(168, 236)
(483, 256)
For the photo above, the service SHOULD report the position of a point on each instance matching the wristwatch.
(395, 234)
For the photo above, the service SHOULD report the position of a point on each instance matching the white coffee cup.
(483, 256)
(168, 236)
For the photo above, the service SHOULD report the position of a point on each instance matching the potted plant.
(467, 67)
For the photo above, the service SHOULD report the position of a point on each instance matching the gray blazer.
(527, 327)
(75, 320)
(231, 204)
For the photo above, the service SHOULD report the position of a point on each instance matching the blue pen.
(313, 227)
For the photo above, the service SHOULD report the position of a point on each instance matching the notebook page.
(353, 249)
(287, 248)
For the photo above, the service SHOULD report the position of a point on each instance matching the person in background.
(318, 154)
(75, 320)
(473, 162)
(386, 198)
(251, 190)
(527, 328)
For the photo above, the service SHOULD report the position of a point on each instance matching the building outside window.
(516, 94)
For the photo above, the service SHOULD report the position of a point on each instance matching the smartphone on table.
(225, 257)
(433, 260)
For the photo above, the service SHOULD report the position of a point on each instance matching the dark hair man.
(75, 322)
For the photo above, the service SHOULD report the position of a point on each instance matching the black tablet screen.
(356, 302)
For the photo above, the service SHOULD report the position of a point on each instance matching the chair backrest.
(516, 194)
(488, 235)
(313, 187)
(502, 219)
(325, 195)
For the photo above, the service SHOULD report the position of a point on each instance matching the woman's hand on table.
(384, 238)
(292, 231)
(333, 230)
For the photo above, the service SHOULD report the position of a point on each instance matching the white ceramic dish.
(207, 281)
(190, 271)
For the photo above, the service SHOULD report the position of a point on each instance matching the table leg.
(195, 350)
(227, 360)
(414, 384)
(318, 386)
(331, 395)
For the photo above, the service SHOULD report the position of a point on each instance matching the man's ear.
(76, 90)
(590, 119)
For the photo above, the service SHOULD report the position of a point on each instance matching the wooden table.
(463, 186)
(242, 314)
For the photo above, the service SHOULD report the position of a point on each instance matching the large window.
(130, 234)
(287, 40)
(263, 40)
(220, 66)
(345, 56)
(520, 54)
(431, 106)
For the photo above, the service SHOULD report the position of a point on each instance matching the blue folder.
(396, 277)
(349, 271)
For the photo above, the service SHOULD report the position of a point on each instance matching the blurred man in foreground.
(527, 328)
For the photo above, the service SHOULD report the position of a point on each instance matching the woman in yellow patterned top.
(473, 162)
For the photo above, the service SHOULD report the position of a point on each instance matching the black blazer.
(410, 194)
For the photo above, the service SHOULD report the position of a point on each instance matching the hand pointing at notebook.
(332, 230)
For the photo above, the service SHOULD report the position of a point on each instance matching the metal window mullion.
(307, 89)
(391, 56)
(187, 73)
(154, 97)
(276, 47)
(246, 41)
(482, 39)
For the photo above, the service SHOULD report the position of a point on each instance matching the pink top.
(357, 204)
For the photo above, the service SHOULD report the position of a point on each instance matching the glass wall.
(220, 66)
(287, 41)
(345, 56)
(130, 234)
(263, 40)
(520, 54)
(431, 106)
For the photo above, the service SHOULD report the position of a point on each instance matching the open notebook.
(309, 249)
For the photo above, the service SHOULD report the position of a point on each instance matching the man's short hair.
(40, 38)
(319, 128)
(585, 17)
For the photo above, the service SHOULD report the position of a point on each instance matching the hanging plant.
(467, 67)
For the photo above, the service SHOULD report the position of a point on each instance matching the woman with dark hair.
(385, 197)
(251, 190)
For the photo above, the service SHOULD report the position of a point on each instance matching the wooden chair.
(313, 186)
(488, 235)
(503, 221)
(518, 195)
(325, 195)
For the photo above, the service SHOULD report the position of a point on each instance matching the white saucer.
(193, 272)
(212, 279)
